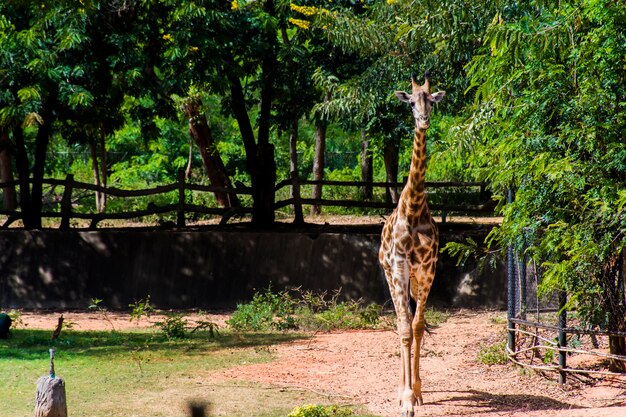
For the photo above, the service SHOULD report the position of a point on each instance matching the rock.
(50, 398)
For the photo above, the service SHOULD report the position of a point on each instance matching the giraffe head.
(421, 101)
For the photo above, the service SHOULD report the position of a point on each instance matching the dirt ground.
(361, 367)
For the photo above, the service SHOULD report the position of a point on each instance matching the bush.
(175, 326)
(306, 310)
(267, 310)
(320, 411)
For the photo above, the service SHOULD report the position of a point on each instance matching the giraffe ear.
(402, 96)
(436, 98)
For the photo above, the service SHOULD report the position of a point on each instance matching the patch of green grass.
(312, 410)
(499, 319)
(121, 374)
(435, 318)
(494, 354)
(145, 373)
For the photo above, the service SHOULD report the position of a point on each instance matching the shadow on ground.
(34, 344)
(503, 402)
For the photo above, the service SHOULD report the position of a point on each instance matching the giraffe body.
(408, 251)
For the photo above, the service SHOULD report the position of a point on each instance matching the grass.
(142, 373)
(151, 372)
(493, 354)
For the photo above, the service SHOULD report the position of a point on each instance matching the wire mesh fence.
(543, 335)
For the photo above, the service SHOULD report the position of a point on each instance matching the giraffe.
(408, 250)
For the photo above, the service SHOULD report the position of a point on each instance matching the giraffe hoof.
(408, 414)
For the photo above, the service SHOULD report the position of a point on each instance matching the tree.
(549, 122)
(214, 166)
(393, 40)
(9, 198)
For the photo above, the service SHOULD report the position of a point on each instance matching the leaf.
(32, 119)
(27, 94)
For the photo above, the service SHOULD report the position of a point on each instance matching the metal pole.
(562, 336)
(522, 275)
(510, 272)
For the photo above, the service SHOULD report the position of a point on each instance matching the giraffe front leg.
(407, 398)
(418, 326)
(405, 391)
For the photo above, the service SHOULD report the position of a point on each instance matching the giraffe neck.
(414, 195)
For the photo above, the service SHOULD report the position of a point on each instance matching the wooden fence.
(182, 208)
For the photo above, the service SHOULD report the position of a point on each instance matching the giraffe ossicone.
(409, 249)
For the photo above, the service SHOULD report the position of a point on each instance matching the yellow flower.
(305, 10)
(167, 37)
(193, 48)
(234, 5)
(303, 24)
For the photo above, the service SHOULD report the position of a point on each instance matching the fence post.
(66, 202)
(510, 272)
(180, 209)
(562, 336)
(297, 200)
(523, 284)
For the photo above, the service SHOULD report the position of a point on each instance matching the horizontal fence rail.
(182, 208)
(484, 207)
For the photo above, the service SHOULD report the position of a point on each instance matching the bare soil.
(361, 368)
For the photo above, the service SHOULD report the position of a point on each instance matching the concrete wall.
(213, 268)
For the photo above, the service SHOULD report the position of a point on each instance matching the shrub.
(311, 410)
(267, 310)
(306, 310)
(175, 326)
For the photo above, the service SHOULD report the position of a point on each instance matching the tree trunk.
(214, 166)
(617, 344)
(259, 156)
(103, 169)
(41, 148)
(96, 173)
(263, 206)
(9, 198)
(23, 174)
(318, 163)
(293, 159)
(264, 193)
(391, 167)
(367, 167)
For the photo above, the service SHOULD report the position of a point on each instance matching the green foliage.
(266, 310)
(16, 318)
(174, 326)
(97, 306)
(548, 356)
(306, 310)
(493, 354)
(311, 410)
(435, 318)
(140, 309)
(549, 122)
